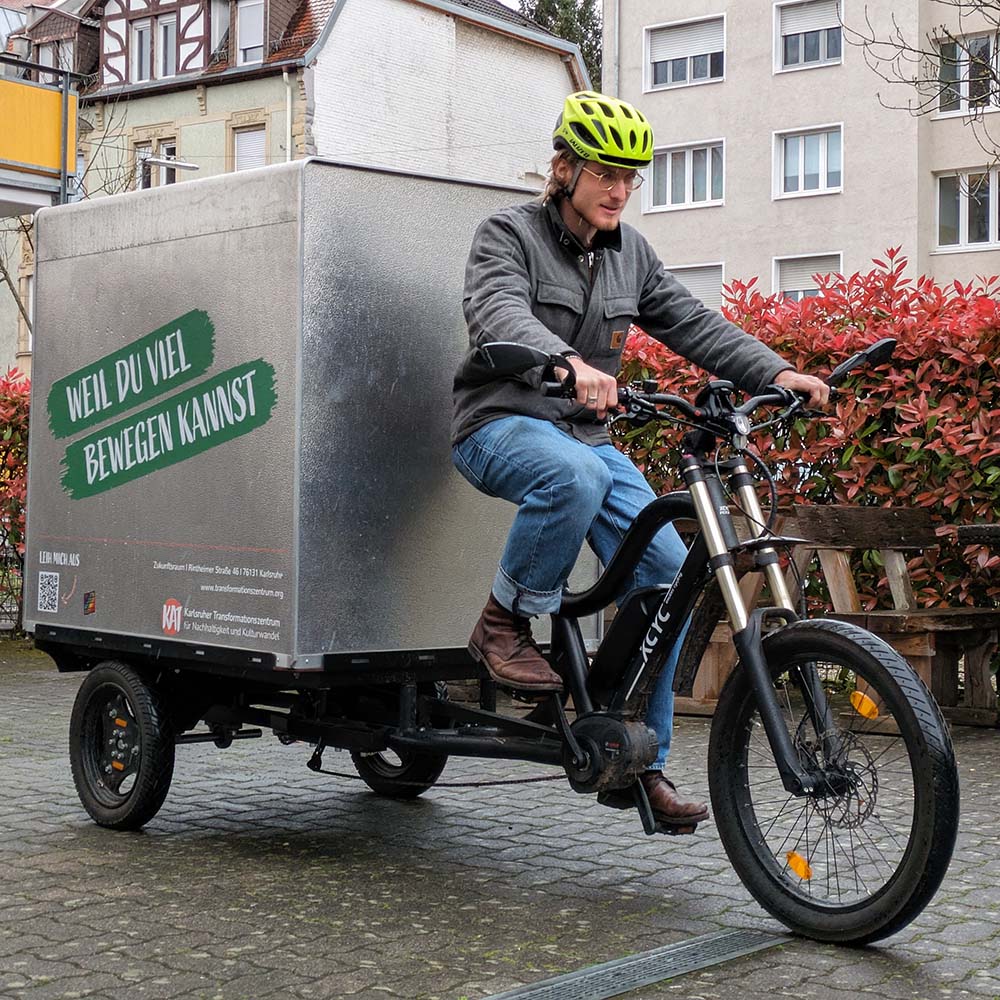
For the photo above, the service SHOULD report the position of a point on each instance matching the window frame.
(163, 173)
(241, 5)
(778, 161)
(134, 28)
(248, 127)
(778, 52)
(993, 212)
(776, 270)
(688, 149)
(964, 109)
(139, 172)
(27, 286)
(159, 51)
(647, 73)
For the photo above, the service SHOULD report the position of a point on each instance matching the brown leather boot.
(501, 642)
(673, 813)
(668, 806)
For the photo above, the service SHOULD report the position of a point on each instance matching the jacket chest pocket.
(560, 308)
(619, 311)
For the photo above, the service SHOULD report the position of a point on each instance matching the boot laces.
(525, 640)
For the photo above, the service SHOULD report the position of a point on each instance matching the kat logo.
(173, 614)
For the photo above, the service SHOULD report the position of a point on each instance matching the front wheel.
(859, 858)
(121, 747)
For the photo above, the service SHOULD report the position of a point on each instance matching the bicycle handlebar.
(714, 410)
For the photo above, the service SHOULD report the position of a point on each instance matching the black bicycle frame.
(631, 655)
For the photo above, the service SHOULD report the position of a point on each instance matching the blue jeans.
(567, 493)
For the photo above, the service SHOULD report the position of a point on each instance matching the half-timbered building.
(180, 89)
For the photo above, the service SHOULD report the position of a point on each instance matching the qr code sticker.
(48, 591)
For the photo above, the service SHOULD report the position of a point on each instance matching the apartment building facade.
(780, 153)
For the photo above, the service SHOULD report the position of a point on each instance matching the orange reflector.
(121, 722)
(864, 706)
(118, 765)
(799, 865)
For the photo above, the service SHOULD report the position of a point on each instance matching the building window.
(47, 56)
(682, 54)
(220, 21)
(795, 277)
(808, 34)
(143, 171)
(167, 150)
(249, 150)
(703, 281)
(968, 206)
(64, 54)
(166, 46)
(687, 176)
(968, 69)
(809, 162)
(28, 301)
(250, 31)
(141, 56)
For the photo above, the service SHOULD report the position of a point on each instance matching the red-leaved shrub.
(15, 389)
(922, 431)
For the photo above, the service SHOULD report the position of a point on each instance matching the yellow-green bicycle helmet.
(605, 129)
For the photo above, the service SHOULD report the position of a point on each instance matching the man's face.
(601, 195)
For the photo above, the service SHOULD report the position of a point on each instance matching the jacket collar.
(602, 240)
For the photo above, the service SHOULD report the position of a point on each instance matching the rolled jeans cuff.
(523, 601)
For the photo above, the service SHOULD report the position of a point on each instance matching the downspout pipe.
(64, 142)
(288, 115)
(610, 83)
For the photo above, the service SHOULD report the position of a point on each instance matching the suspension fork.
(742, 484)
(716, 525)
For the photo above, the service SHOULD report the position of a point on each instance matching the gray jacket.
(529, 280)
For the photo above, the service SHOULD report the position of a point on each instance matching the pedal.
(675, 831)
(525, 697)
(649, 823)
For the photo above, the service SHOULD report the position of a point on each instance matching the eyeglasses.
(607, 179)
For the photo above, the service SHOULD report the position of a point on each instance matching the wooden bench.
(934, 640)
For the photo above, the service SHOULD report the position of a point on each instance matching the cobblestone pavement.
(259, 878)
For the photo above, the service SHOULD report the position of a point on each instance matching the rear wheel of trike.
(121, 747)
(862, 855)
(404, 773)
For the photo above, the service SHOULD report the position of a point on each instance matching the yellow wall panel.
(31, 127)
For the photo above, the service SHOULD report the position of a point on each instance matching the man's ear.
(563, 171)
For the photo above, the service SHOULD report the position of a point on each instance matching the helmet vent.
(626, 112)
(608, 113)
(618, 139)
(588, 109)
(585, 136)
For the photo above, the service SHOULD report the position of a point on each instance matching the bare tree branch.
(953, 67)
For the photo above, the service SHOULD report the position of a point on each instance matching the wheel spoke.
(852, 831)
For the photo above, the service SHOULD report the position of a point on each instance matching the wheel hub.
(119, 755)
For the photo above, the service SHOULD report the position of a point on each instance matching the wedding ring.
(591, 399)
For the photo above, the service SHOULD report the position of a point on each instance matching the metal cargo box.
(239, 434)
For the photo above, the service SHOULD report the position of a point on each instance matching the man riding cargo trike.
(234, 530)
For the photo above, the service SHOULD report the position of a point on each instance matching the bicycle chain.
(451, 784)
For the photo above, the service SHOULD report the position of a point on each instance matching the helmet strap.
(571, 187)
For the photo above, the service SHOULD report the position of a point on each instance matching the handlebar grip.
(559, 389)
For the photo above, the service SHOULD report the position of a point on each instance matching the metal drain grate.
(625, 974)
